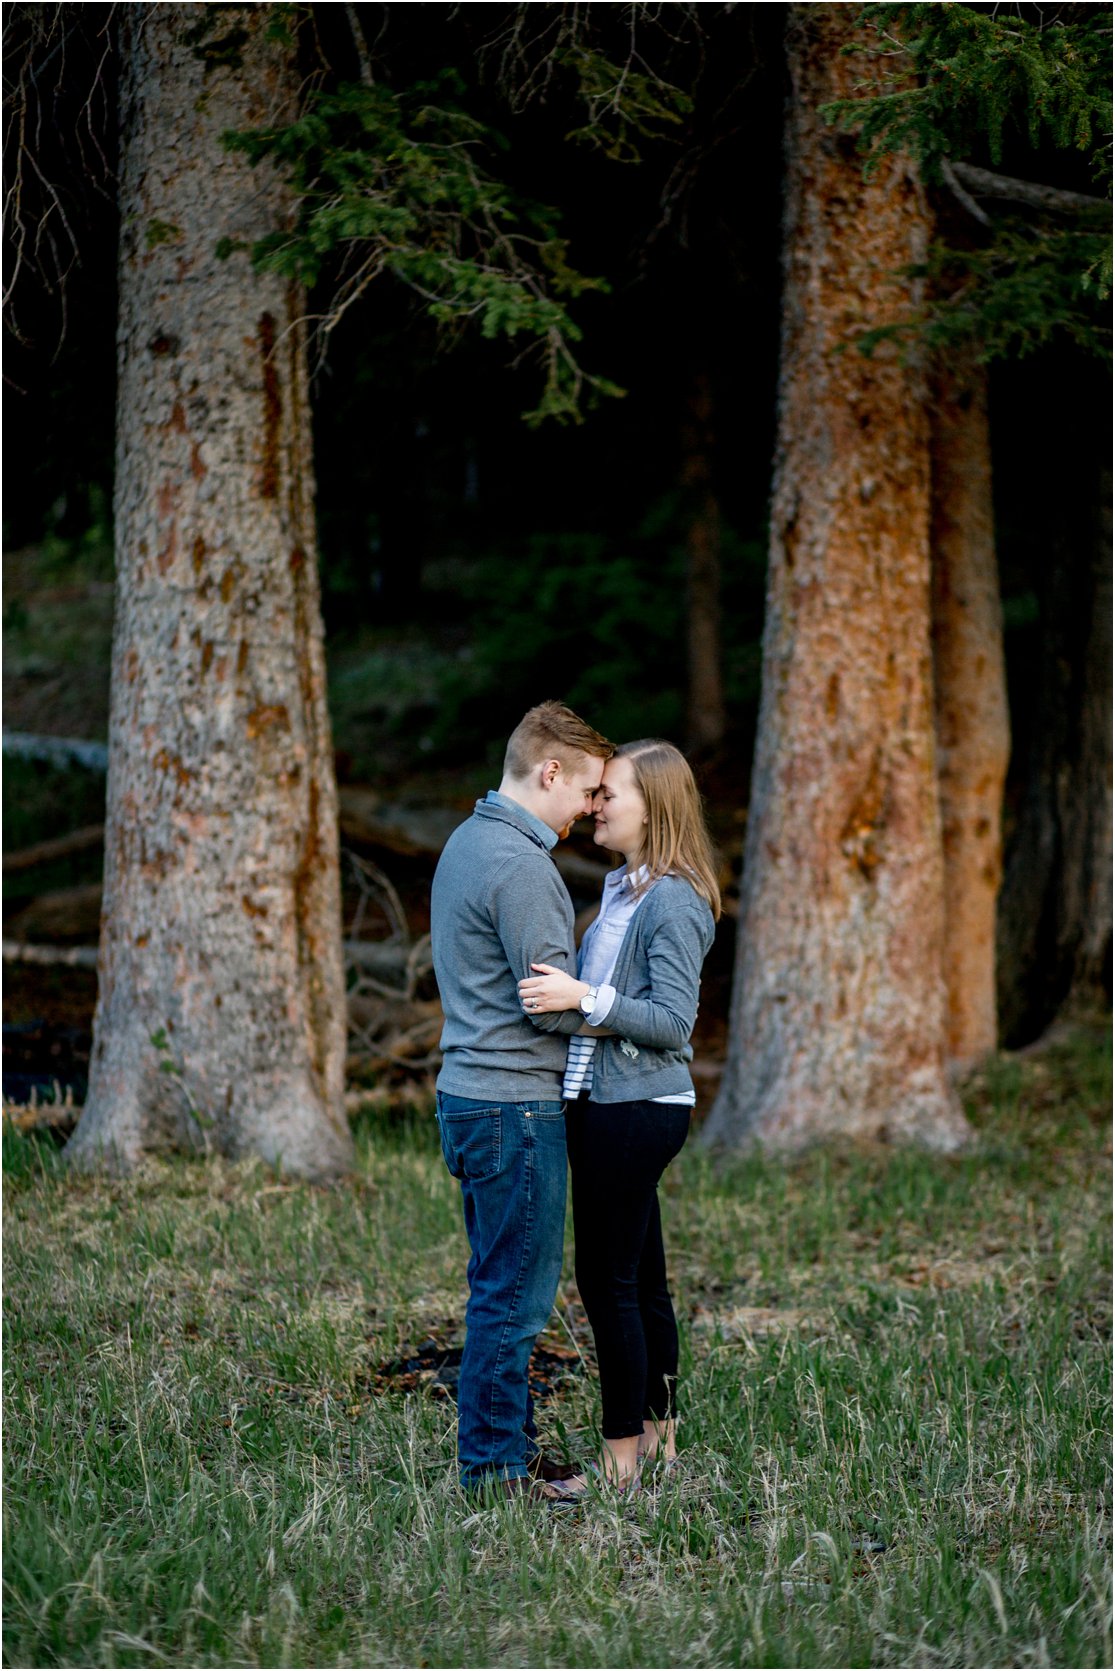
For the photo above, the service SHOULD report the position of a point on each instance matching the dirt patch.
(435, 1368)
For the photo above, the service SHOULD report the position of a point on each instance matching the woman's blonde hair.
(677, 839)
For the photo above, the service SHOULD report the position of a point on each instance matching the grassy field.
(897, 1392)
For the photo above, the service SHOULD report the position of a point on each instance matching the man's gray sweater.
(498, 905)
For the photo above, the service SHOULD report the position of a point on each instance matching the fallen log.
(415, 832)
(378, 957)
(74, 957)
(61, 1115)
(59, 847)
(64, 914)
(57, 751)
(421, 832)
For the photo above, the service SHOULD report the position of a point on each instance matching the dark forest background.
(473, 562)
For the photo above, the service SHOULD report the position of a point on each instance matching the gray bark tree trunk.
(838, 1011)
(221, 1011)
(972, 717)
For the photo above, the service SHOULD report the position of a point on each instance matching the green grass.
(897, 1392)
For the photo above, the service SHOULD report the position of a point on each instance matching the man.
(499, 905)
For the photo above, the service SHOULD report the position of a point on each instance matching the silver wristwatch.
(588, 1002)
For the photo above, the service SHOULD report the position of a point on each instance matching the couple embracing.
(547, 1060)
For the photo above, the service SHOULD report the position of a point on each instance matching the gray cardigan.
(657, 980)
(497, 906)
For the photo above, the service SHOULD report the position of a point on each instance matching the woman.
(627, 1085)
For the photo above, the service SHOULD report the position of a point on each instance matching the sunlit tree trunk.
(837, 1022)
(973, 724)
(220, 1019)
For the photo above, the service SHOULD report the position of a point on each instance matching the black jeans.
(617, 1153)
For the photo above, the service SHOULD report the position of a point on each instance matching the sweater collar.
(514, 813)
(624, 881)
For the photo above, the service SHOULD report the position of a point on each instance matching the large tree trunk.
(973, 725)
(838, 1010)
(705, 716)
(1055, 911)
(221, 1013)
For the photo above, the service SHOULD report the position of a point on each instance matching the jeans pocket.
(471, 1142)
(549, 1111)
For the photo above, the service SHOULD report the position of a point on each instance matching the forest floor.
(229, 1423)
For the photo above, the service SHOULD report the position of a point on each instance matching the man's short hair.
(552, 732)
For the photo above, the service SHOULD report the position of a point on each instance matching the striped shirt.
(599, 952)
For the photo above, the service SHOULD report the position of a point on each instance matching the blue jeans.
(510, 1159)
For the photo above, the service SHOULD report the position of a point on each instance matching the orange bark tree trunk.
(973, 722)
(838, 1010)
(221, 1012)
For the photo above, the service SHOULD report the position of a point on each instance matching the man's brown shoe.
(537, 1491)
(544, 1468)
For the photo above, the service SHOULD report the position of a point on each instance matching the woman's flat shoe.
(660, 1465)
(595, 1480)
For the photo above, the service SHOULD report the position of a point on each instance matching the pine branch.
(982, 182)
(627, 100)
(396, 182)
(964, 198)
(941, 81)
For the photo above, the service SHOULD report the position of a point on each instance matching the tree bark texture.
(1055, 910)
(705, 717)
(838, 1011)
(973, 723)
(221, 1012)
